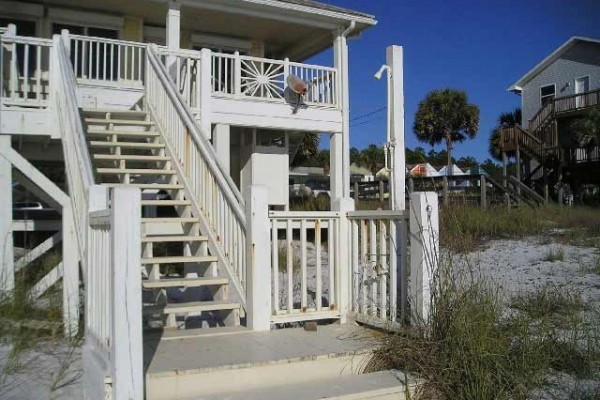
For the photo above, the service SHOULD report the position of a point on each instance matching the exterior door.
(582, 85)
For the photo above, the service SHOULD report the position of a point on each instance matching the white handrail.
(77, 159)
(212, 191)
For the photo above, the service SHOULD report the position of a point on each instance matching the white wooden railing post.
(343, 249)
(126, 313)
(7, 272)
(70, 265)
(237, 74)
(424, 253)
(66, 38)
(205, 92)
(258, 250)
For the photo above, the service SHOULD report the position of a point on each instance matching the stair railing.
(75, 151)
(216, 201)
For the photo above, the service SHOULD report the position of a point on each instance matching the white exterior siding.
(582, 60)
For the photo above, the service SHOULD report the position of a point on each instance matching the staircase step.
(168, 220)
(102, 121)
(135, 171)
(103, 132)
(130, 157)
(137, 113)
(177, 334)
(130, 145)
(166, 203)
(158, 186)
(178, 259)
(184, 282)
(190, 307)
(174, 238)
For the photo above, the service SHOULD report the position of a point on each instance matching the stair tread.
(122, 133)
(147, 171)
(146, 185)
(103, 121)
(177, 334)
(166, 202)
(178, 259)
(174, 238)
(131, 157)
(192, 306)
(185, 282)
(112, 111)
(169, 219)
(139, 145)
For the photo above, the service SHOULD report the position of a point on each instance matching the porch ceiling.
(296, 29)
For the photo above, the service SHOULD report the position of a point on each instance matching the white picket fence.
(113, 350)
(305, 265)
(354, 264)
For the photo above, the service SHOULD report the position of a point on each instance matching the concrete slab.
(212, 365)
(252, 348)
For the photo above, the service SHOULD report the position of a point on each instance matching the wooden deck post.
(483, 185)
(546, 194)
(424, 253)
(381, 191)
(205, 90)
(445, 190)
(411, 185)
(258, 256)
(518, 167)
(126, 313)
(7, 273)
(504, 169)
(356, 192)
(344, 249)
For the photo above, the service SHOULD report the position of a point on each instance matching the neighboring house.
(424, 170)
(562, 88)
(172, 123)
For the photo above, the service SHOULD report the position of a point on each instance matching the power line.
(367, 121)
(369, 113)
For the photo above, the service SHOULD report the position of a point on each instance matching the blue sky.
(480, 46)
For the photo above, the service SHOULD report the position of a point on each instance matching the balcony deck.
(219, 88)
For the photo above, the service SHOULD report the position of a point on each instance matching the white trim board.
(85, 18)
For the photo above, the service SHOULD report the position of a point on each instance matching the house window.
(547, 94)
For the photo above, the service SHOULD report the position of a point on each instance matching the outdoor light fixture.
(378, 74)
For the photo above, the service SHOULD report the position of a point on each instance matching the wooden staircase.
(182, 285)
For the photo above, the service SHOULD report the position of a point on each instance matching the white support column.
(340, 54)
(424, 253)
(173, 34)
(221, 138)
(205, 91)
(395, 60)
(7, 273)
(258, 256)
(127, 294)
(336, 168)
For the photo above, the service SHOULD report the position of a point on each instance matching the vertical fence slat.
(383, 270)
(303, 270)
(290, 266)
(318, 271)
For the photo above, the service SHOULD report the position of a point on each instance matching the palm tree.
(308, 148)
(445, 115)
(505, 120)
